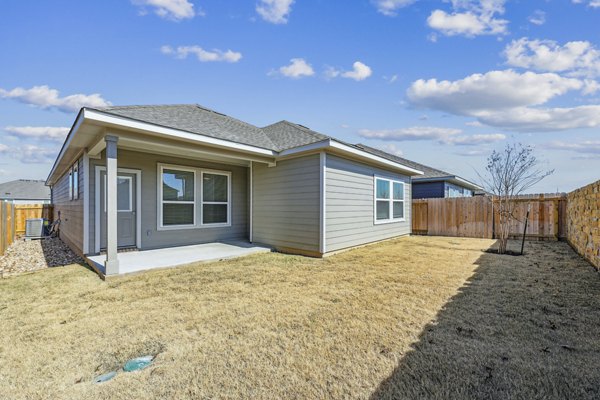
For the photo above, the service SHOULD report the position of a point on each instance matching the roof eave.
(332, 144)
(452, 179)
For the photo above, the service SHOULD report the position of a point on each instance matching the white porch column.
(111, 265)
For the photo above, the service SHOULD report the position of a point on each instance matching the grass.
(418, 317)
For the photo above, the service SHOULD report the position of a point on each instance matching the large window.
(178, 197)
(215, 198)
(389, 200)
(193, 198)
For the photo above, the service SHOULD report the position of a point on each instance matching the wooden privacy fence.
(7, 226)
(13, 219)
(478, 217)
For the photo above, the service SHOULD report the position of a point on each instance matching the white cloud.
(577, 58)
(411, 133)
(359, 72)
(506, 99)
(472, 152)
(589, 3)
(38, 132)
(448, 136)
(470, 18)
(586, 146)
(538, 17)
(45, 97)
(31, 154)
(275, 11)
(174, 10)
(528, 119)
(494, 90)
(202, 55)
(391, 7)
(3, 148)
(477, 139)
(391, 148)
(298, 68)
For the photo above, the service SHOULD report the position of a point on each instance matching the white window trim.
(130, 179)
(71, 183)
(160, 202)
(198, 172)
(391, 201)
(202, 202)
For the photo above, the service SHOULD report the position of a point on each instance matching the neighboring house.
(163, 176)
(25, 191)
(433, 183)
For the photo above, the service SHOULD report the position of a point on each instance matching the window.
(389, 200)
(75, 183)
(177, 195)
(215, 198)
(71, 184)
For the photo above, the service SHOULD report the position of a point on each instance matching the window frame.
(390, 200)
(198, 197)
(75, 181)
(161, 202)
(202, 202)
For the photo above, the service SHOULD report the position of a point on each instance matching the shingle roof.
(286, 135)
(195, 119)
(428, 172)
(24, 189)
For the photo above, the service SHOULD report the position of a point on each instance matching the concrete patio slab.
(136, 261)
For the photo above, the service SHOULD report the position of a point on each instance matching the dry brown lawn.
(417, 317)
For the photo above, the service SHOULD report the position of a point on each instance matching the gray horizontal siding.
(286, 204)
(152, 237)
(71, 211)
(349, 206)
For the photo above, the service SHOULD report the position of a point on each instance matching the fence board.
(478, 217)
(23, 212)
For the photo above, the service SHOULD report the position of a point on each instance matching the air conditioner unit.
(34, 228)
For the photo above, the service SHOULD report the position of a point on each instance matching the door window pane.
(123, 194)
(398, 191)
(178, 185)
(214, 188)
(383, 189)
(383, 209)
(398, 209)
(178, 214)
(214, 214)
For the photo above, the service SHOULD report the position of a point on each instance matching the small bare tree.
(508, 174)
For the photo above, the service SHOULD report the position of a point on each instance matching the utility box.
(34, 228)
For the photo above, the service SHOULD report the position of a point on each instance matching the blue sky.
(440, 82)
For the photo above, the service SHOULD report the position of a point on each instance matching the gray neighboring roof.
(24, 189)
(195, 119)
(429, 173)
(286, 135)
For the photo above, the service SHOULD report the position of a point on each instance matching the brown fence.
(476, 217)
(7, 226)
(13, 218)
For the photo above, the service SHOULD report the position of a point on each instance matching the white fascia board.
(452, 179)
(381, 160)
(99, 116)
(333, 144)
(65, 146)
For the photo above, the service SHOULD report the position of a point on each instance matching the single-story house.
(433, 183)
(25, 191)
(150, 177)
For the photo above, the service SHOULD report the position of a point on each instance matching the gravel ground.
(27, 256)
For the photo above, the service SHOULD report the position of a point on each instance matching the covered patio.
(137, 261)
